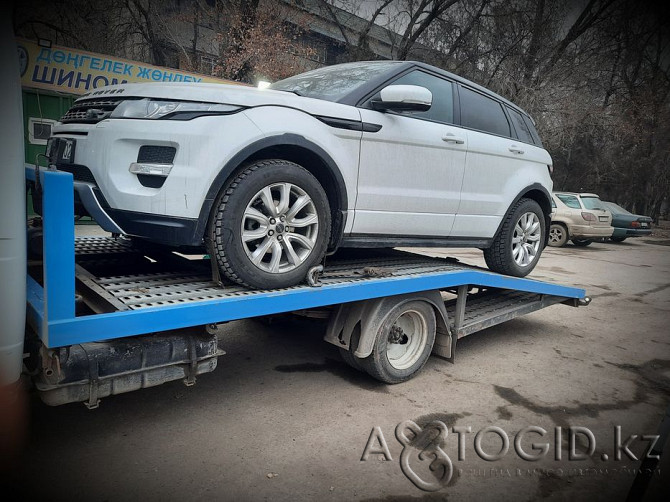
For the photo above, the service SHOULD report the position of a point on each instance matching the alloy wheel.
(526, 239)
(279, 228)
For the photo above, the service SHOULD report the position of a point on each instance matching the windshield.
(333, 82)
(592, 203)
(615, 208)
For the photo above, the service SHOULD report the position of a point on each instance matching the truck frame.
(111, 316)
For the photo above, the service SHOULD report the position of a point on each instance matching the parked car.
(367, 154)
(580, 217)
(627, 224)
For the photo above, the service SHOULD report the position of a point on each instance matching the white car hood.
(228, 94)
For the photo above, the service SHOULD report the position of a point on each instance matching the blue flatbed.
(151, 296)
(111, 315)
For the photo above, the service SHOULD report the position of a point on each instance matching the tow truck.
(109, 316)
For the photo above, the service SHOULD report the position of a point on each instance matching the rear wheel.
(403, 344)
(558, 235)
(518, 245)
(582, 243)
(270, 225)
(617, 239)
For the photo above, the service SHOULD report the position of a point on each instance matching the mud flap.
(370, 314)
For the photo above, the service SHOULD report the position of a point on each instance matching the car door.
(411, 169)
(498, 165)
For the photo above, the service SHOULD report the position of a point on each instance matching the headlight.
(178, 110)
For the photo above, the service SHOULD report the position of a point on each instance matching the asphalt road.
(282, 418)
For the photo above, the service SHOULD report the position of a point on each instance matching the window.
(482, 113)
(522, 131)
(39, 130)
(442, 108)
(207, 64)
(334, 82)
(553, 204)
(615, 208)
(570, 201)
(533, 131)
(592, 203)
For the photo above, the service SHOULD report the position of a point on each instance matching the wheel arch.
(292, 148)
(370, 314)
(539, 194)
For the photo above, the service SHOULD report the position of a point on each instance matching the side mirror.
(403, 98)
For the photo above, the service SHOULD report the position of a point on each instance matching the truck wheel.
(403, 344)
(270, 225)
(518, 245)
(558, 235)
(582, 243)
(617, 239)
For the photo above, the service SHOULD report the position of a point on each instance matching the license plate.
(644, 225)
(60, 150)
(603, 218)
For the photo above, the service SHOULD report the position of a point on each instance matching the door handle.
(516, 149)
(451, 138)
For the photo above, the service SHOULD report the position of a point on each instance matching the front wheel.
(270, 225)
(582, 243)
(517, 247)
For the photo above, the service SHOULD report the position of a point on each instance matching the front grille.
(151, 154)
(90, 111)
(79, 172)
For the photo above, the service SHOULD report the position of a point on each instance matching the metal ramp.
(190, 280)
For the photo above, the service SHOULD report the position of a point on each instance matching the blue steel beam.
(153, 319)
(58, 245)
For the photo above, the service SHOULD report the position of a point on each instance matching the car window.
(569, 200)
(333, 82)
(482, 113)
(615, 208)
(442, 108)
(522, 131)
(553, 204)
(592, 203)
(533, 130)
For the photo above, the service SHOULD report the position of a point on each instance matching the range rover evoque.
(367, 154)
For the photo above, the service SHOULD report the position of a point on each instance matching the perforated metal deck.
(191, 280)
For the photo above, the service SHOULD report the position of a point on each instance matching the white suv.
(368, 154)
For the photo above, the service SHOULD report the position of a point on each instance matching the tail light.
(635, 224)
(589, 216)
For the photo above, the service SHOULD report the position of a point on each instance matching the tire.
(582, 243)
(395, 362)
(251, 231)
(348, 354)
(558, 235)
(502, 256)
(617, 239)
